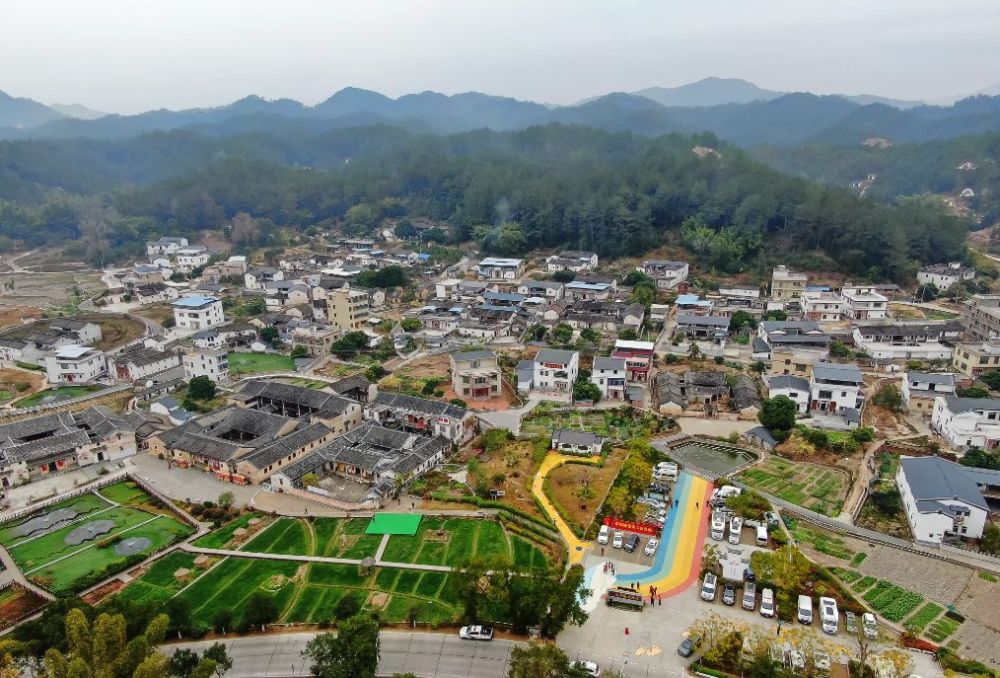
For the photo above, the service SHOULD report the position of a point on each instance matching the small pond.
(716, 458)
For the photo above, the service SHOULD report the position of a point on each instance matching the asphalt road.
(429, 655)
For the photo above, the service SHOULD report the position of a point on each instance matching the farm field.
(67, 545)
(159, 582)
(259, 362)
(811, 486)
(61, 392)
(450, 541)
(225, 535)
(608, 423)
(328, 537)
(16, 603)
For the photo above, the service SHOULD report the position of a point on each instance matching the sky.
(127, 56)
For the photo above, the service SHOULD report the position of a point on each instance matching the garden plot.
(820, 488)
(608, 423)
(328, 537)
(449, 542)
(66, 554)
(247, 363)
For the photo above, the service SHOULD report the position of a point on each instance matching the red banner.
(651, 530)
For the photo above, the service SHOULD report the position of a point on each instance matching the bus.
(620, 596)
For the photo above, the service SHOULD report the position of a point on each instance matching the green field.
(819, 488)
(329, 537)
(824, 542)
(941, 628)
(608, 423)
(62, 391)
(158, 583)
(259, 362)
(442, 541)
(51, 562)
(219, 539)
(84, 505)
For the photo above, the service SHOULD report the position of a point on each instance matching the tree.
(739, 320)
(270, 334)
(991, 540)
(590, 334)
(889, 397)
(562, 333)
(109, 638)
(225, 499)
(778, 413)
(261, 610)
(352, 653)
(977, 457)
(375, 372)
(495, 438)
(201, 388)
(223, 620)
(585, 389)
(218, 654)
(153, 666)
(643, 295)
(539, 661)
(350, 345)
(410, 325)
(972, 392)
(991, 379)
(183, 663)
(78, 635)
(388, 277)
(839, 349)
(299, 351)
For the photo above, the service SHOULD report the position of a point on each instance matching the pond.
(716, 458)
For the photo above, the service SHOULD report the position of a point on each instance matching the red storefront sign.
(554, 366)
(651, 530)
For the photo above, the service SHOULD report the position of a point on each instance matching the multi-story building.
(198, 313)
(967, 422)
(941, 498)
(75, 364)
(787, 284)
(549, 290)
(821, 306)
(706, 327)
(795, 361)
(790, 335)
(281, 293)
(944, 276)
(555, 370)
(207, 362)
(191, 257)
(571, 260)
(974, 359)
(36, 448)
(347, 309)
(792, 387)
(582, 290)
(500, 268)
(907, 340)
(475, 375)
(667, 274)
(142, 362)
(921, 390)
(610, 376)
(981, 316)
(638, 357)
(835, 388)
(165, 247)
(864, 304)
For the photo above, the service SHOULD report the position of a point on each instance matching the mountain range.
(732, 109)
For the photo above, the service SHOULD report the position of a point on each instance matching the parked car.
(851, 622)
(689, 645)
(602, 535)
(659, 488)
(708, 587)
(749, 596)
(651, 545)
(632, 543)
(821, 660)
(729, 593)
(869, 624)
(618, 540)
(761, 535)
(735, 527)
(771, 519)
(476, 633)
(590, 668)
(767, 603)
(805, 609)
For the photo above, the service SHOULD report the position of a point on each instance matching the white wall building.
(921, 390)
(198, 313)
(835, 388)
(791, 386)
(667, 274)
(610, 376)
(940, 498)
(944, 276)
(191, 257)
(208, 362)
(500, 268)
(165, 247)
(822, 306)
(555, 370)
(860, 304)
(967, 422)
(75, 364)
(906, 340)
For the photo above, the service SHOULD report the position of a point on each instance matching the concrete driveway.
(188, 484)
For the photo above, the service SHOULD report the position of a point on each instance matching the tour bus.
(619, 596)
(805, 609)
(828, 615)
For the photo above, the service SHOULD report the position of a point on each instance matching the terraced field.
(815, 487)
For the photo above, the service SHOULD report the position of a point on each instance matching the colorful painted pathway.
(577, 547)
(677, 562)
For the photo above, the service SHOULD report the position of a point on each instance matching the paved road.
(429, 655)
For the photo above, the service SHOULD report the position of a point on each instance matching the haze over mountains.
(733, 109)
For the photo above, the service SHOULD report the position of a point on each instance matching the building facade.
(475, 375)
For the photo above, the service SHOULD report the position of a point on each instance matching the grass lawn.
(819, 488)
(329, 537)
(61, 391)
(83, 505)
(57, 565)
(260, 362)
(461, 538)
(824, 542)
(158, 583)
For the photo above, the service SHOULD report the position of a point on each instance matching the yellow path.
(577, 547)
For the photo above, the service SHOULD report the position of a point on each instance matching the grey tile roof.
(570, 437)
(554, 355)
(761, 433)
(286, 445)
(838, 372)
(301, 396)
(407, 402)
(789, 381)
(932, 377)
(609, 364)
(959, 405)
(702, 320)
(144, 356)
(474, 355)
(935, 479)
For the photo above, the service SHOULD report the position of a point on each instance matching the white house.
(569, 441)
(610, 376)
(583, 290)
(864, 304)
(944, 276)
(165, 246)
(821, 306)
(255, 278)
(555, 371)
(571, 260)
(191, 257)
(940, 498)
(141, 362)
(667, 274)
(207, 362)
(967, 422)
(835, 388)
(75, 364)
(921, 389)
(500, 268)
(903, 340)
(446, 289)
(198, 313)
(791, 386)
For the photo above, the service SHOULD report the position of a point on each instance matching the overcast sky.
(133, 55)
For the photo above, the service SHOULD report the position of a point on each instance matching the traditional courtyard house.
(419, 415)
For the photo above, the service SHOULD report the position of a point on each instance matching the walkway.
(677, 562)
(190, 548)
(577, 547)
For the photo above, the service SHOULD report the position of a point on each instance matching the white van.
(603, 535)
(805, 608)
(735, 527)
(665, 470)
(767, 603)
(708, 587)
(761, 535)
(828, 615)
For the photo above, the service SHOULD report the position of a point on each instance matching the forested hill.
(619, 194)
